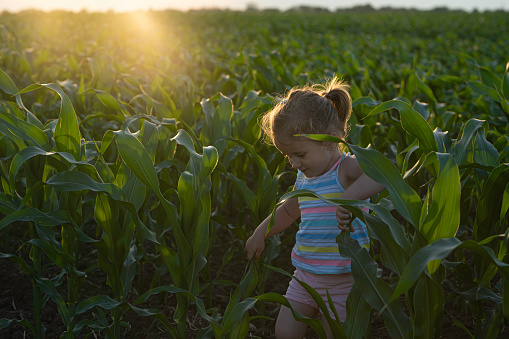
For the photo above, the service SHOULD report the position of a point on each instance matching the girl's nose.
(294, 163)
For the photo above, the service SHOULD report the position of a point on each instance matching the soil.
(16, 301)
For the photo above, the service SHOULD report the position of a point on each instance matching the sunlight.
(145, 28)
(144, 23)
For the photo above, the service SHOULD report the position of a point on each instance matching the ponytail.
(337, 92)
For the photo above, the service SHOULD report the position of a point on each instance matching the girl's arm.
(285, 215)
(357, 185)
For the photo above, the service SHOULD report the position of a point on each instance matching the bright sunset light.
(131, 5)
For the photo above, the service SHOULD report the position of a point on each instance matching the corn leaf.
(505, 82)
(439, 250)
(463, 147)
(29, 133)
(67, 134)
(482, 89)
(70, 181)
(374, 289)
(428, 301)
(102, 301)
(357, 314)
(412, 122)
(490, 204)
(377, 167)
(443, 216)
(107, 100)
(484, 152)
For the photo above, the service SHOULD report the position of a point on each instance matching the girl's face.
(310, 157)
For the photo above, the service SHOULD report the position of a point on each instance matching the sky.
(132, 5)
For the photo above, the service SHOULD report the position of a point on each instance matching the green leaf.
(505, 82)
(451, 78)
(505, 296)
(484, 152)
(217, 123)
(101, 301)
(424, 88)
(439, 250)
(48, 287)
(470, 59)
(50, 219)
(9, 87)
(428, 304)
(443, 139)
(187, 200)
(443, 216)
(482, 89)
(357, 314)
(4, 323)
(376, 292)
(490, 204)
(412, 122)
(106, 99)
(137, 159)
(70, 181)
(463, 147)
(28, 270)
(30, 133)
(172, 289)
(67, 134)
(129, 270)
(58, 257)
(249, 196)
(27, 153)
(266, 177)
(368, 101)
(233, 318)
(379, 168)
(489, 78)
(149, 137)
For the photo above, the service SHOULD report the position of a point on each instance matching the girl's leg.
(287, 326)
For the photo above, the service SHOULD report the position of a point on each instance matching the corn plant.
(141, 147)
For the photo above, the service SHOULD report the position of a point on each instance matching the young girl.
(324, 169)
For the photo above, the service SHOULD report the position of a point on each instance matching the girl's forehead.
(293, 144)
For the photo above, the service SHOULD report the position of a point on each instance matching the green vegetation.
(129, 141)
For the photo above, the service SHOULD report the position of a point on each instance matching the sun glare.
(144, 27)
(144, 23)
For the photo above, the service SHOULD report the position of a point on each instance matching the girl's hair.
(317, 109)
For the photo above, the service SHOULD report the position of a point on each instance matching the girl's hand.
(255, 246)
(344, 218)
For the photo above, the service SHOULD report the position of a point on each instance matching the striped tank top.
(315, 249)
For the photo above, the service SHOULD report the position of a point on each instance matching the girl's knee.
(287, 326)
(290, 330)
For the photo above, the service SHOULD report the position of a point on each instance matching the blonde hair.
(317, 109)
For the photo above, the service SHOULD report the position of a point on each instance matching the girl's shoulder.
(346, 161)
(349, 170)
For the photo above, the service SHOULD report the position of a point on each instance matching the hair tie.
(327, 95)
(283, 101)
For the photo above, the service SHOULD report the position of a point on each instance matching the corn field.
(133, 170)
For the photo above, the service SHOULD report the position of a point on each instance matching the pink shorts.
(338, 285)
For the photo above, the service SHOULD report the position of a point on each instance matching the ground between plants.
(16, 302)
